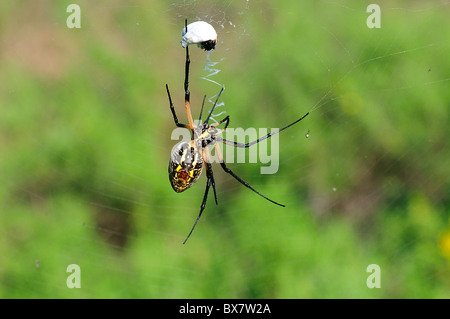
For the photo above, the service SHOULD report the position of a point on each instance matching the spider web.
(127, 225)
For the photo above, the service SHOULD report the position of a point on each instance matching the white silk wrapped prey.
(200, 33)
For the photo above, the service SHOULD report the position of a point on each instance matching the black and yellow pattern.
(185, 166)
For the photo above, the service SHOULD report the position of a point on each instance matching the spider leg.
(175, 118)
(241, 145)
(187, 94)
(186, 72)
(213, 184)
(226, 120)
(214, 106)
(209, 183)
(240, 180)
(209, 172)
(201, 110)
(205, 197)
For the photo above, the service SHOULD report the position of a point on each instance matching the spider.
(187, 159)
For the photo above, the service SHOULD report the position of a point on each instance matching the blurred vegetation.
(85, 142)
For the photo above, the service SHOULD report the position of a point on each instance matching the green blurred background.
(85, 142)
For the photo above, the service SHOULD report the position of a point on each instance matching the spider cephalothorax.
(187, 159)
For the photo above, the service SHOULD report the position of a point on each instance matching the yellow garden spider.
(186, 161)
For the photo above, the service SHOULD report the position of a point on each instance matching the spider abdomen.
(185, 166)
